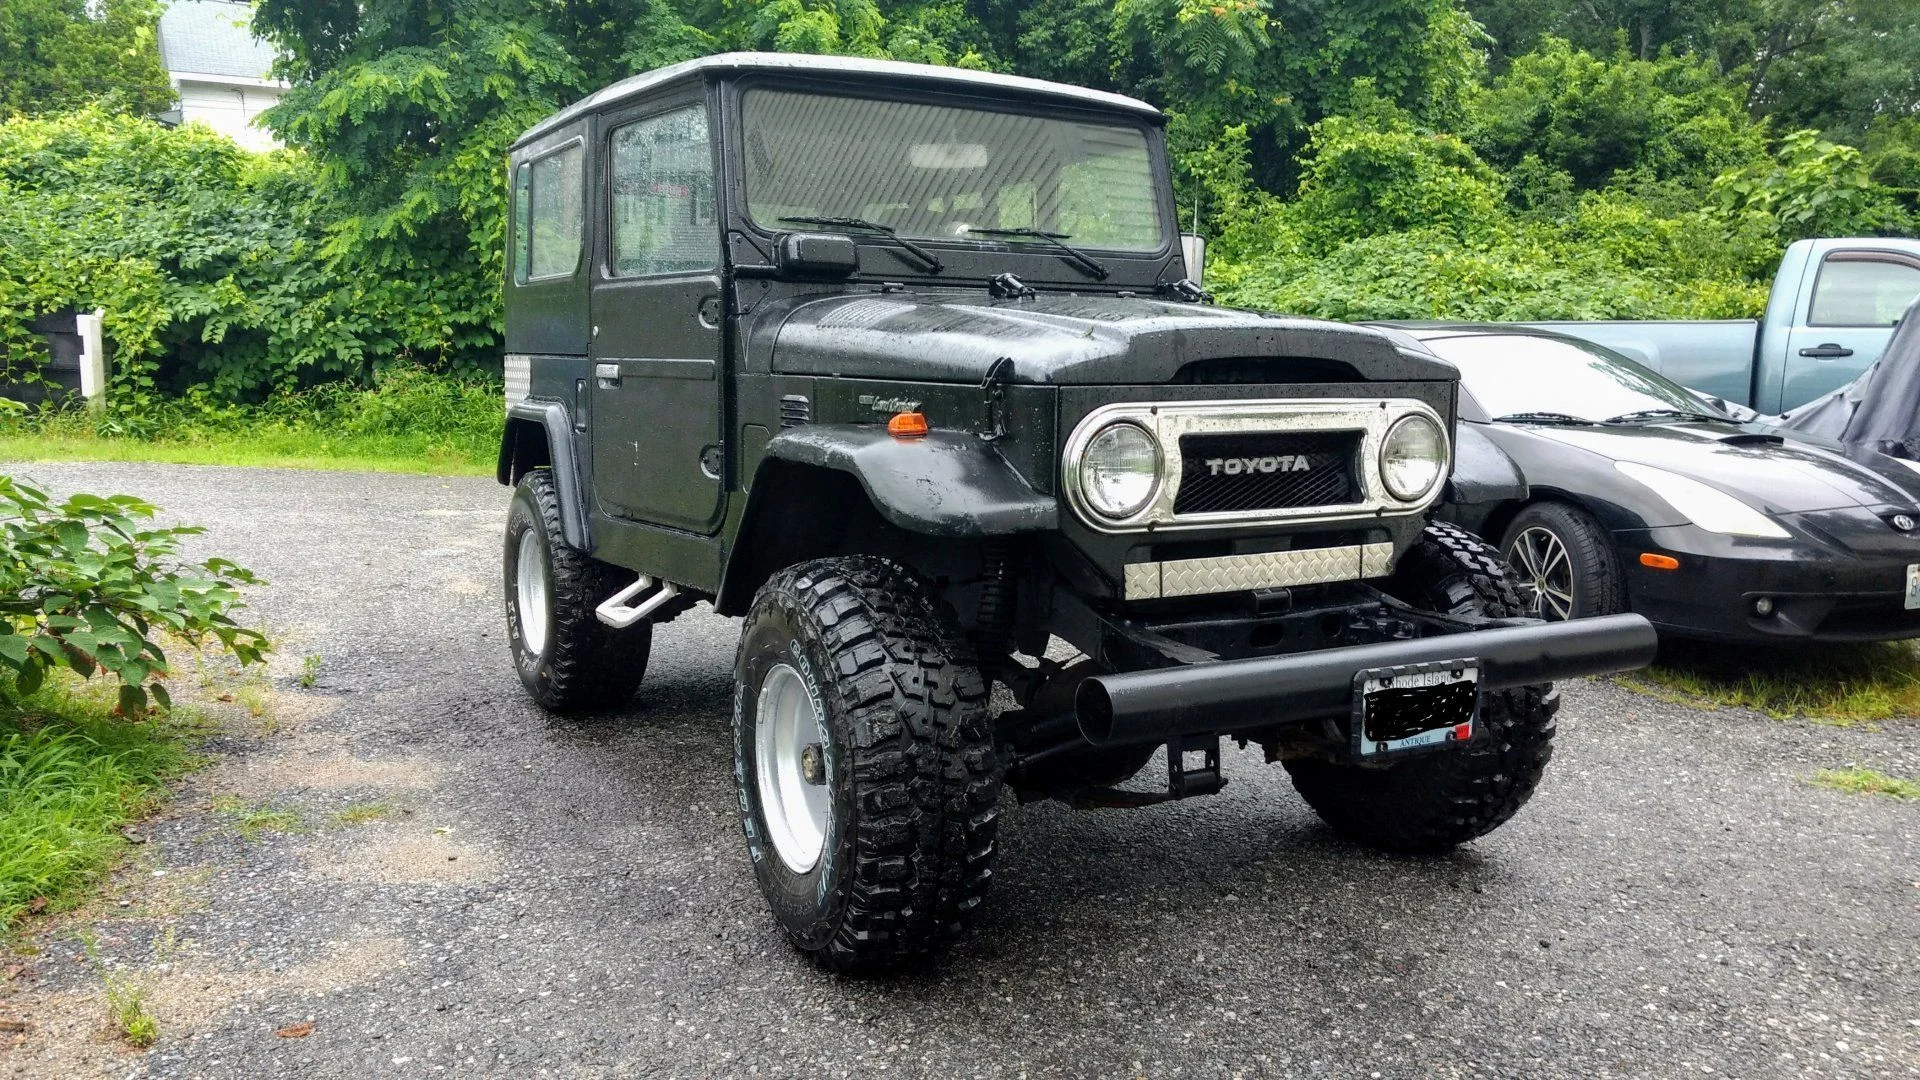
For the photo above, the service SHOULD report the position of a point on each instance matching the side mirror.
(817, 255)
(1193, 247)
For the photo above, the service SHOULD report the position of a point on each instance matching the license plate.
(1402, 710)
(1913, 586)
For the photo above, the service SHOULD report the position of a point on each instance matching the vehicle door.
(1857, 296)
(656, 312)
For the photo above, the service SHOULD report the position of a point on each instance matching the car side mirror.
(1193, 248)
(817, 255)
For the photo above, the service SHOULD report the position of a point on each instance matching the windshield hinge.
(1185, 289)
(1007, 287)
(999, 374)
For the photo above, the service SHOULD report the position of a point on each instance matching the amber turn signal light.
(1659, 562)
(907, 425)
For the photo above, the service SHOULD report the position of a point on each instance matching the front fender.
(945, 484)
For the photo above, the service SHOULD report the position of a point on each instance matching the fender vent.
(795, 410)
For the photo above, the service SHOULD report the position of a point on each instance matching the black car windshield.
(939, 172)
(1523, 375)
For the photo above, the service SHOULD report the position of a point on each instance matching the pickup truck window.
(938, 171)
(661, 205)
(1860, 288)
(1519, 374)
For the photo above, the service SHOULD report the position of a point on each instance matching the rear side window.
(661, 204)
(547, 205)
(1858, 289)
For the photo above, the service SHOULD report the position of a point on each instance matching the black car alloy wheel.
(1564, 564)
(1545, 573)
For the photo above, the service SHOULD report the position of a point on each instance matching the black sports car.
(1645, 498)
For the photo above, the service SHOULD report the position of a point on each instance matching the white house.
(221, 72)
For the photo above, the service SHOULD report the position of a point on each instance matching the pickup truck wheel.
(864, 763)
(568, 659)
(1564, 564)
(1434, 801)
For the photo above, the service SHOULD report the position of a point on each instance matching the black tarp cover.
(1880, 410)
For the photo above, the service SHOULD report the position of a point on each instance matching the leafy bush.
(1812, 188)
(85, 586)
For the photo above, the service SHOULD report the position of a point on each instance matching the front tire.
(567, 658)
(1441, 799)
(864, 763)
(1564, 562)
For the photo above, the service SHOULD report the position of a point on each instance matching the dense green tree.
(1593, 117)
(59, 54)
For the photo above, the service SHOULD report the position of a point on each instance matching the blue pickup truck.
(1832, 309)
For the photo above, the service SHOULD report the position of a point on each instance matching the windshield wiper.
(933, 261)
(1542, 418)
(1660, 414)
(1058, 240)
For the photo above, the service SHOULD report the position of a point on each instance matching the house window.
(661, 198)
(548, 218)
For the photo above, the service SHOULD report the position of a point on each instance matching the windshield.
(1514, 374)
(938, 172)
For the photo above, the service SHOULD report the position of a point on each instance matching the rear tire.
(1584, 581)
(874, 843)
(567, 658)
(1437, 800)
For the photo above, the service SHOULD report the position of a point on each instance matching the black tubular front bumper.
(1236, 695)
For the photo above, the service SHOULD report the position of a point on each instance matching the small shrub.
(86, 585)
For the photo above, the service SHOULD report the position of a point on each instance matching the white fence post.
(93, 358)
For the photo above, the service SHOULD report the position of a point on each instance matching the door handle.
(608, 374)
(1828, 351)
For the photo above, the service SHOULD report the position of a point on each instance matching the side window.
(1862, 290)
(522, 224)
(547, 205)
(662, 208)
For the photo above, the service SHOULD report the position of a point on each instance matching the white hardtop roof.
(807, 64)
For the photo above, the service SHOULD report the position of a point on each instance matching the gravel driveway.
(572, 898)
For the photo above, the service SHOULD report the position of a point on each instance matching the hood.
(1073, 339)
(1781, 476)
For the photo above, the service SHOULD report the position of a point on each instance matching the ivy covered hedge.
(213, 264)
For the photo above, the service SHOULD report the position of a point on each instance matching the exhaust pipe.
(1231, 695)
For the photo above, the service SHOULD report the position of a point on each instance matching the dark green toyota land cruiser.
(908, 367)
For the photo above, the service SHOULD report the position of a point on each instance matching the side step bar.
(1235, 695)
(619, 612)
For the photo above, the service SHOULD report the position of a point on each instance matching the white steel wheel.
(1546, 573)
(534, 595)
(790, 765)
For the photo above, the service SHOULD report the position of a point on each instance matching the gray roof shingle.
(212, 37)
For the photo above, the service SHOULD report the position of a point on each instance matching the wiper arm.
(1661, 414)
(933, 261)
(1058, 240)
(1542, 418)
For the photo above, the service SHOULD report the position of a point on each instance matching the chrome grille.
(1267, 470)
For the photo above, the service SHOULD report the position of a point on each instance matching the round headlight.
(1413, 457)
(1120, 470)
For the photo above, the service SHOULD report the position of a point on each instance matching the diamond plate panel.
(1267, 570)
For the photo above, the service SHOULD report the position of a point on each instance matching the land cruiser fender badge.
(889, 405)
(1277, 463)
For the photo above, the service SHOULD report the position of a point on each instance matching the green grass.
(410, 421)
(363, 813)
(254, 821)
(1834, 684)
(127, 1008)
(1858, 781)
(71, 776)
